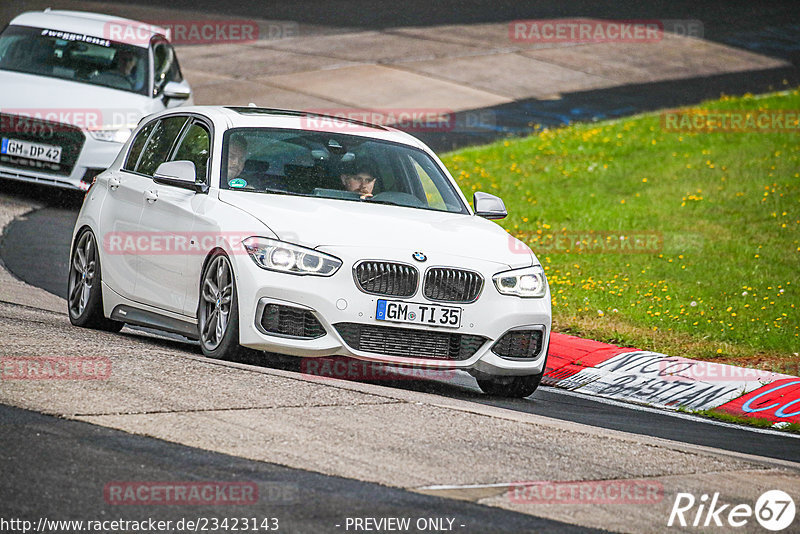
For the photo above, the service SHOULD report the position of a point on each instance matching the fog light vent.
(519, 344)
(292, 322)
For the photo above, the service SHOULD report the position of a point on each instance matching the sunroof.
(246, 110)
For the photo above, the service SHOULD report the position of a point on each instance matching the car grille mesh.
(289, 321)
(519, 344)
(452, 285)
(69, 138)
(409, 343)
(387, 278)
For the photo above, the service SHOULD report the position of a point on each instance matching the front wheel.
(515, 387)
(218, 313)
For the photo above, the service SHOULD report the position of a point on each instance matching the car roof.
(84, 22)
(258, 117)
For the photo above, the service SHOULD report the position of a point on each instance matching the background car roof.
(84, 22)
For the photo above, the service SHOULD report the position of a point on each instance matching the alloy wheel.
(216, 298)
(82, 274)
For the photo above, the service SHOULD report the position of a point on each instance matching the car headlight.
(527, 282)
(287, 258)
(119, 135)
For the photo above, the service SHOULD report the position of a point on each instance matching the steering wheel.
(401, 199)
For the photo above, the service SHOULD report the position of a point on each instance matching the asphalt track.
(35, 248)
(723, 20)
(58, 469)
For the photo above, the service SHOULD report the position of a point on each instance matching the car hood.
(334, 224)
(80, 104)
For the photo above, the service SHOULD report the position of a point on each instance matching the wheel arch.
(76, 234)
(209, 256)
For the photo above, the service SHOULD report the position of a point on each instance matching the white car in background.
(71, 95)
(301, 234)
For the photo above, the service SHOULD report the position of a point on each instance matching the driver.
(360, 178)
(237, 155)
(125, 66)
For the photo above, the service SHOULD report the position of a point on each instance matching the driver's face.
(126, 62)
(236, 158)
(361, 183)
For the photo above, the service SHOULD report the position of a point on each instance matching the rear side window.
(160, 144)
(195, 148)
(137, 145)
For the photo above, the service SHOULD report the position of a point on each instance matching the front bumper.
(337, 299)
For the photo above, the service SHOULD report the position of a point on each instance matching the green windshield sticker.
(237, 182)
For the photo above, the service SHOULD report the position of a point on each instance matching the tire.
(515, 387)
(84, 287)
(220, 342)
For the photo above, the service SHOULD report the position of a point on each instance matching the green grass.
(723, 283)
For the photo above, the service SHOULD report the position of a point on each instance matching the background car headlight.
(112, 136)
(287, 258)
(527, 282)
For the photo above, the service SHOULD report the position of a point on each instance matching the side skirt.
(130, 315)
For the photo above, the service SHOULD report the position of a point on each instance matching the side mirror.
(488, 206)
(179, 174)
(177, 91)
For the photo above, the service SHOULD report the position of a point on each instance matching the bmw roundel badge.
(419, 256)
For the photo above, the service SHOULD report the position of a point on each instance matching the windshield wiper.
(280, 192)
(387, 202)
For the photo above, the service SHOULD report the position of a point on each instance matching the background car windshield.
(337, 166)
(76, 57)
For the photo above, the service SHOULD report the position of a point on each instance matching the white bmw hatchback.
(71, 94)
(295, 233)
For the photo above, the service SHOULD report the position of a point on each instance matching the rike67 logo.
(774, 510)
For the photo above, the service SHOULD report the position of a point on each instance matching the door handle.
(114, 183)
(151, 196)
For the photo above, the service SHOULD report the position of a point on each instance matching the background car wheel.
(218, 312)
(516, 387)
(84, 292)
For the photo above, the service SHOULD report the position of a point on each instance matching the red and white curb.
(658, 380)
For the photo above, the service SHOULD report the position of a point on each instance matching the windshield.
(337, 166)
(76, 57)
